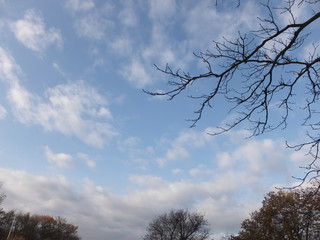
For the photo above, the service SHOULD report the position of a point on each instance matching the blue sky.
(79, 138)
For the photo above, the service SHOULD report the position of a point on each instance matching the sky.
(81, 140)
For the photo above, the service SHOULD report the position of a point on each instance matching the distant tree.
(3, 217)
(6, 222)
(35, 227)
(26, 226)
(293, 215)
(273, 66)
(178, 225)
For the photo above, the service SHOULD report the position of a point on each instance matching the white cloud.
(72, 109)
(137, 74)
(31, 32)
(148, 181)
(95, 24)
(130, 142)
(177, 171)
(201, 171)
(101, 213)
(80, 5)
(311, 51)
(226, 193)
(89, 162)
(179, 148)
(173, 154)
(58, 69)
(23, 102)
(75, 109)
(122, 45)
(158, 49)
(224, 160)
(233, 215)
(162, 10)
(195, 171)
(194, 20)
(163, 49)
(127, 15)
(299, 11)
(9, 71)
(202, 156)
(262, 156)
(97, 56)
(26, 191)
(177, 152)
(227, 23)
(61, 160)
(3, 112)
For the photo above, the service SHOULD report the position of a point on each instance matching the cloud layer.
(72, 109)
(226, 191)
(32, 33)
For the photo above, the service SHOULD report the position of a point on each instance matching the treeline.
(292, 214)
(24, 226)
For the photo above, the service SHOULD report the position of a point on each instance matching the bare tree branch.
(178, 225)
(260, 70)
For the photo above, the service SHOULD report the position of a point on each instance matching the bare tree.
(263, 69)
(178, 225)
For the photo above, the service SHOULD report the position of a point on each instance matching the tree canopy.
(178, 225)
(24, 226)
(293, 215)
(272, 67)
(35, 227)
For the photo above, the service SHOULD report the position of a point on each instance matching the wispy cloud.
(137, 74)
(179, 149)
(162, 10)
(3, 112)
(95, 23)
(196, 33)
(58, 69)
(9, 71)
(67, 161)
(127, 15)
(72, 108)
(61, 160)
(88, 160)
(93, 26)
(32, 33)
(200, 30)
(80, 5)
(194, 21)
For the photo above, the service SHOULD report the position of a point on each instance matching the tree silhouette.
(272, 67)
(178, 225)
